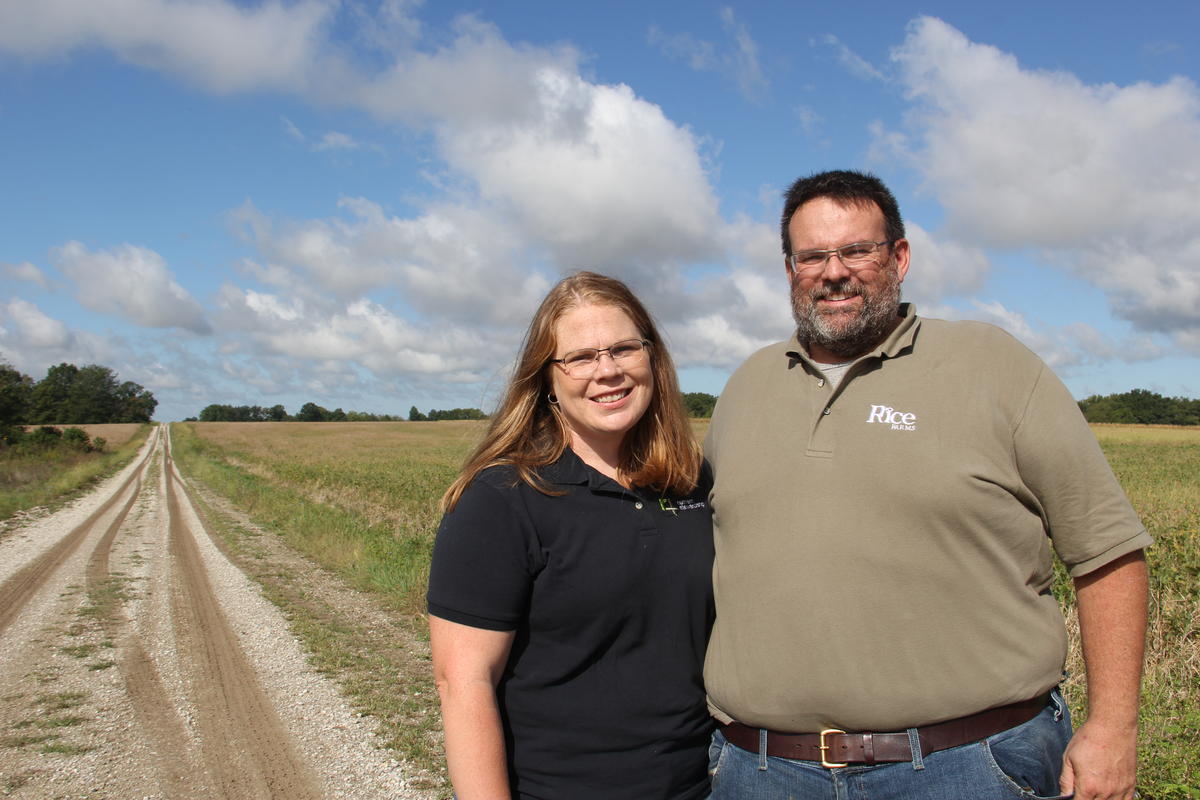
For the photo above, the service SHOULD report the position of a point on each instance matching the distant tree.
(416, 416)
(365, 416)
(92, 394)
(92, 397)
(699, 404)
(1142, 407)
(1105, 409)
(436, 414)
(48, 400)
(216, 413)
(15, 391)
(134, 403)
(311, 412)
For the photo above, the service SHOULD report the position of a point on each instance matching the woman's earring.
(552, 398)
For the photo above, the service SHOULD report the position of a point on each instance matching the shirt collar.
(896, 342)
(569, 470)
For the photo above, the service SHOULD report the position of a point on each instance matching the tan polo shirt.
(883, 549)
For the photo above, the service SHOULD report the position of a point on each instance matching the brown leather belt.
(836, 748)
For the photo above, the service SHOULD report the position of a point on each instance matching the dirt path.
(137, 662)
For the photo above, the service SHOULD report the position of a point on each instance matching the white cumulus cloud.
(132, 282)
(25, 271)
(1102, 180)
(31, 340)
(222, 46)
(941, 267)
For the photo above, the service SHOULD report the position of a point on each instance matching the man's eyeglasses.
(582, 363)
(857, 255)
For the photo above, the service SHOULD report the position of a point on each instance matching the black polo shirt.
(609, 591)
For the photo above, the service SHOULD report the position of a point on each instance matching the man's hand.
(1100, 763)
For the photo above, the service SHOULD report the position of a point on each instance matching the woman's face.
(601, 409)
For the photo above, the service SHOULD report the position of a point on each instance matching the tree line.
(436, 414)
(71, 395)
(1142, 407)
(309, 412)
(698, 404)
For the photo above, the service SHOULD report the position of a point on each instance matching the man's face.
(841, 313)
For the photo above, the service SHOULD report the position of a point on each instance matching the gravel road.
(136, 661)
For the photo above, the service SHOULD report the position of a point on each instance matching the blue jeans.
(1022, 762)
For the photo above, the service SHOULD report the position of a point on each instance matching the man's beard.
(843, 335)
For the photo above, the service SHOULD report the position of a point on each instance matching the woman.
(570, 592)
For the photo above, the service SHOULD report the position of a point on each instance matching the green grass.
(26, 739)
(61, 701)
(44, 730)
(31, 479)
(1159, 469)
(79, 650)
(65, 748)
(361, 501)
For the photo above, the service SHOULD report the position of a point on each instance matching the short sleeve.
(483, 562)
(1090, 520)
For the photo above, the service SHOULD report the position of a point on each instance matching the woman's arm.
(467, 663)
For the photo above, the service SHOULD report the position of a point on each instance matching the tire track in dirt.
(177, 771)
(137, 661)
(244, 745)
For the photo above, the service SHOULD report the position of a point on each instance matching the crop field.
(361, 499)
(115, 434)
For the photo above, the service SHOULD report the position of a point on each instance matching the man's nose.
(835, 269)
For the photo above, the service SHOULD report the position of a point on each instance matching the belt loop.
(868, 740)
(762, 749)
(914, 744)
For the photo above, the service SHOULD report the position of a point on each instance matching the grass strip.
(1159, 469)
(368, 555)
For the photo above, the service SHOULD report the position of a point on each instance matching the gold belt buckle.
(824, 747)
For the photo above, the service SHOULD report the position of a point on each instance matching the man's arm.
(1101, 759)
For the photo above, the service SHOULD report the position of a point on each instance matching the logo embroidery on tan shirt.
(899, 420)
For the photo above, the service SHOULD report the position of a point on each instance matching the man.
(887, 492)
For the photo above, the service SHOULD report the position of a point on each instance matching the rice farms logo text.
(898, 420)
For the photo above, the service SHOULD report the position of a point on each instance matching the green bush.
(77, 437)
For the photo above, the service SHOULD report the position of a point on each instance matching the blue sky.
(360, 204)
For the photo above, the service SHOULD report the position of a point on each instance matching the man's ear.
(902, 255)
